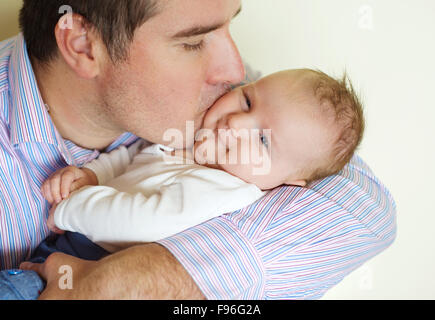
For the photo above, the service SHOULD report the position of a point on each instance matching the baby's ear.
(297, 183)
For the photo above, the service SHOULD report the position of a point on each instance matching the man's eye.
(193, 47)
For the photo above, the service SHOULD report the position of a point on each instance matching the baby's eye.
(248, 101)
(264, 140)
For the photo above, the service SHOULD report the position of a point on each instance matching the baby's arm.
(106, 167)
(111, 165)
(104, 214)
(67, 180)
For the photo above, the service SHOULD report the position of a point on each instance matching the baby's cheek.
(262, 174)
(205, 151)
(243, 172)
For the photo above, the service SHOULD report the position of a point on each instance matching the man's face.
(181, 61)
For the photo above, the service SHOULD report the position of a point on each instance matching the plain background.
(388, 49)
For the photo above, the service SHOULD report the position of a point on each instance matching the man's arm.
(143, 272)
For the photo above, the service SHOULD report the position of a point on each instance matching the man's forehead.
(186, 18)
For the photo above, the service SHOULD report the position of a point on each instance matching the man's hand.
(66, 180)
(50, 271)
(147, 271)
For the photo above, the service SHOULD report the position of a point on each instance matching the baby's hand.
(66, 180)
(50, 222)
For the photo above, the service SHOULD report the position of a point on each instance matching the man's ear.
(78, 45)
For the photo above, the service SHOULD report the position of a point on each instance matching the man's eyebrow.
(198, 30)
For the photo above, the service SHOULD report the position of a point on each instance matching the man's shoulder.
(355, 183)
(6, 47)
(354, 197)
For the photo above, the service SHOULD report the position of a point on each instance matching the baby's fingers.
(66, 183)
(55, 188)
(46, 192)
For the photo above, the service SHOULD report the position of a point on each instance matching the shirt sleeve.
(295, 243)
(112, 164)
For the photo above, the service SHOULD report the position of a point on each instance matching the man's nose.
(226, 65)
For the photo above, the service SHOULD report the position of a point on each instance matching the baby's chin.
(263, 177)
(244, 172)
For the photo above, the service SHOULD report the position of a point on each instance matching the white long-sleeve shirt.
(148, 196)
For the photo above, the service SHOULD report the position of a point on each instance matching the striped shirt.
(294, 243)
(31, 149)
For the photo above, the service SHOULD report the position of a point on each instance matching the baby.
(298, 126)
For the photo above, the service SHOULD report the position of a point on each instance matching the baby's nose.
(239, 121)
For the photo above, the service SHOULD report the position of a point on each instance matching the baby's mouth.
(228, 139)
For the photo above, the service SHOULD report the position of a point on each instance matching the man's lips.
(210, 101)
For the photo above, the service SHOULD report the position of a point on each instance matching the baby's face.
(265, 132)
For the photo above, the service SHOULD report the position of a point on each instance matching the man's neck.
(74, 107)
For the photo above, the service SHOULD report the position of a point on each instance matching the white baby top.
(147, 196)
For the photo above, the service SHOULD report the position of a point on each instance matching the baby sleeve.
(112, 164)
(121, 219)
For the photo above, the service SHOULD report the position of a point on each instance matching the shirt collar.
(29, 119)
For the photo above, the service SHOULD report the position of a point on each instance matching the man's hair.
(115, 21)
(338, 97)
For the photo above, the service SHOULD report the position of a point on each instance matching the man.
(145, 66)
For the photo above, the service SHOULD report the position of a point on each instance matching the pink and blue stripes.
(295, 243)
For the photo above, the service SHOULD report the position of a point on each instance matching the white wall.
(9, 18)
(388, 48)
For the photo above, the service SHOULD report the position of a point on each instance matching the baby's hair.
(338, 97)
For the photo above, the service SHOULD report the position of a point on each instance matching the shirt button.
(15, 272)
